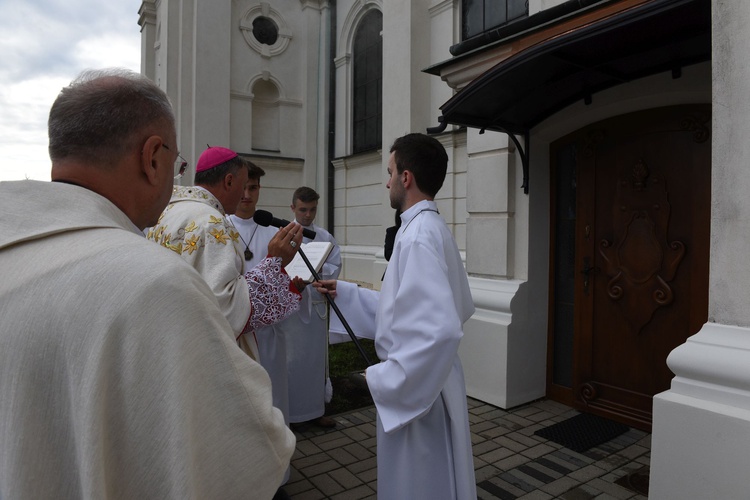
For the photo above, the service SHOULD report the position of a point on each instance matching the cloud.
(45, 44)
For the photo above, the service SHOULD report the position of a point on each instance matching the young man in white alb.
(307, 330)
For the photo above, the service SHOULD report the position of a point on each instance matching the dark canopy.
(526, 88)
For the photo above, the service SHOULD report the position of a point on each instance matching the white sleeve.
(358, 306)
(424, 337)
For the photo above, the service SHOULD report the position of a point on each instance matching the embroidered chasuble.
(194, 226)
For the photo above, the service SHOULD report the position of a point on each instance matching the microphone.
(263, 218)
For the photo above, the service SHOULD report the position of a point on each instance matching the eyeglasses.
(180, 165)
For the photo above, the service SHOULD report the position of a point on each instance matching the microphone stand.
(336, 310)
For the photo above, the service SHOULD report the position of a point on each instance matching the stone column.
(316, 33)
(147, 22)
(701, 430)
(490, 179)
(210, 69)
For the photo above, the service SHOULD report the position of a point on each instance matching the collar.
(417, 208)
(36, 209)
(196, 193)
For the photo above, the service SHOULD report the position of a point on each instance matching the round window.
(265, 30)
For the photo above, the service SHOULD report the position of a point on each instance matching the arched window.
(265, 116)
(367, 88)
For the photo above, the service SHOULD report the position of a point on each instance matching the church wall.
(267, 92)
(281, 65)
(701, 426)
(410, 103)
(210, 64)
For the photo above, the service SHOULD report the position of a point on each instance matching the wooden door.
(637, 286)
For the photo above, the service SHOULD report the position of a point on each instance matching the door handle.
(586, 271)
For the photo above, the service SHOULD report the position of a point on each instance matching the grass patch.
(345, 358)
(349, 393)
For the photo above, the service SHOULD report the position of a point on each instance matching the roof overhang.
(536, 82)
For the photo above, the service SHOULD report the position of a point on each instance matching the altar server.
(423, 440)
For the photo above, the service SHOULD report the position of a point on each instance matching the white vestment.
(306, 335)
(424, 445)
(119, 374)
(253, 237)
(194, 226)
(271, 347)
(271, 343)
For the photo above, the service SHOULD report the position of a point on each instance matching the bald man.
(119, 375)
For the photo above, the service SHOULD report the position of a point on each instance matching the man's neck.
(217, 194)
(413, 200)
(245, 214)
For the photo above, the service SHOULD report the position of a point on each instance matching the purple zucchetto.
(213, 157)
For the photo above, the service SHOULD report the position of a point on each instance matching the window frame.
(367, 83)
(478, 11)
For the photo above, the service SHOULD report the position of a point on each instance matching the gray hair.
(215, 175)
(103, 114)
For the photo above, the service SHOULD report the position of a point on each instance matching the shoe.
(281, 495)
(325, 422)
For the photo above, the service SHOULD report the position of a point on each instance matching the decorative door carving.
(641, 233)
(640, 261)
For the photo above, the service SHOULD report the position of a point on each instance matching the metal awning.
(529, 86)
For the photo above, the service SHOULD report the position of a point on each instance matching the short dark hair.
(215, 175)
(424, 157)
(305, 195)
(254, 171)
(102, 115)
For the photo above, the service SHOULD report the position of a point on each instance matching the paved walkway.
(510, 461)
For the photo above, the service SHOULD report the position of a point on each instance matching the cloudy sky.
(44, 45)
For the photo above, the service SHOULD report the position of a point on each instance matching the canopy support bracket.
(522, 150)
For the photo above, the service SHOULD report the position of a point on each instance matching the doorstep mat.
(583, 431)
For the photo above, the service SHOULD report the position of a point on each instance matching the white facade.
(266, 101)
(701, 436)
(272, 103)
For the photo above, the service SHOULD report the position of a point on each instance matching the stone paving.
(510, 461)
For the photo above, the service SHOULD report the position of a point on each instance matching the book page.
(316, 252)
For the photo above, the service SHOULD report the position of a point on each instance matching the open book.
(316, 252)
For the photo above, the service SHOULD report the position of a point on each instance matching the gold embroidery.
(191, 227)
(191, 244)
(235, 236)
(215, 220)
(219, 235)
(166, 241)
(176, 248)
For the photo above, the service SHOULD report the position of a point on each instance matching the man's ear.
(408, 179)
(149, 164)
(228, 181)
